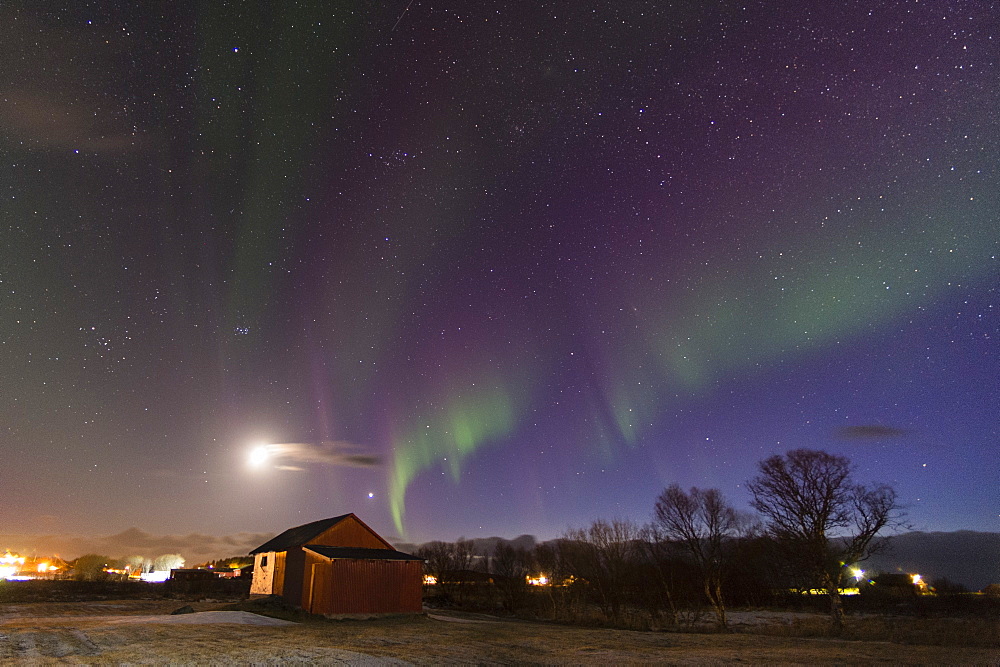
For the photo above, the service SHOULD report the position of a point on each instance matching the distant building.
(899, 585)
(180, 574)
(338, 566)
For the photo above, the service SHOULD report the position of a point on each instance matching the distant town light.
(10, 565)
(19, 568)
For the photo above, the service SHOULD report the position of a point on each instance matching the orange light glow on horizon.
(10, 565)
(13, 566)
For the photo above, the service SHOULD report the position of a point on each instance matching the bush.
(68, 590)
(966, 632)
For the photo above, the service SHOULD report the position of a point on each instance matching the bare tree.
(167, 562)
(510, 567)
(658, 556)
(823, 520)
(700, 522)
(463, 555)
(549, 559)
(604, 554)
(438, 563)
(450, 564)
(462, 560)
(137, 563)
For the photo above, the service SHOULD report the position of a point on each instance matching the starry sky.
(493, 268)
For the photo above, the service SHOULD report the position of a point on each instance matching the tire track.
(32, 645)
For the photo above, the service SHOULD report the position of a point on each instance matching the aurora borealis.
(492, 269)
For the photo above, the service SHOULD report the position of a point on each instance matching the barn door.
(319, 602)
(312, 589)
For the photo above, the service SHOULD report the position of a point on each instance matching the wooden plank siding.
(294, 561)
(310, 586)
(350, 586)
(350, 533)
(279, 572)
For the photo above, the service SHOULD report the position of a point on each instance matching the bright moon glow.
(259, 456)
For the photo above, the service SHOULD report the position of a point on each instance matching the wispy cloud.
(296, 455)
(47, 94)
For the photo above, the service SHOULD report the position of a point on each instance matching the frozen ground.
(196, 618)
(144, 632)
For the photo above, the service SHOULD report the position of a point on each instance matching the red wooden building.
(338, 566)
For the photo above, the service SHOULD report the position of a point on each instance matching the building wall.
(268, 579)
(263, 574)
(350, 533)
(309, 583)
(291, 579)
(347, 586)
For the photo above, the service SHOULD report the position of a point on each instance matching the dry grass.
(964, 632)
(29, 633)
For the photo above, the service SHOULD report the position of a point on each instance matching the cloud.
(869, 432)
(294, 455)
(195, 547)
(44, 120)
(49, 95)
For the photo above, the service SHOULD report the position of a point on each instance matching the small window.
(263, 560)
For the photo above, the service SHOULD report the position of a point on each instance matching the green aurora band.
(449, 436)
(833, 288)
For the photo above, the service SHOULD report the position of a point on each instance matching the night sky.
(491, 268)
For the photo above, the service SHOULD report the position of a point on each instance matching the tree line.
(97, 567)
(813, 522)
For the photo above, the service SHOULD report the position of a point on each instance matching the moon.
(259, 455)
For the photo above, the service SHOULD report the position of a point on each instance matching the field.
(144, 632)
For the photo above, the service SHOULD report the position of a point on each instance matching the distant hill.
(481, 546)
(963, 557)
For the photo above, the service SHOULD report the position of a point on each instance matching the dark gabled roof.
(359, 553)
(298, 536)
